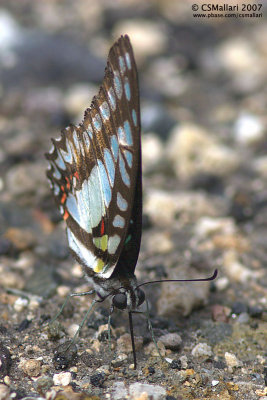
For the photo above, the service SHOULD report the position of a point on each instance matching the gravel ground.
(203, 105)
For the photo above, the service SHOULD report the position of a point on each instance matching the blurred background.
(203, 112)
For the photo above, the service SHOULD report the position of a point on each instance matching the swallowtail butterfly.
(95, 176)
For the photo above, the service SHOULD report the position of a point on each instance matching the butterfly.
(95, 174)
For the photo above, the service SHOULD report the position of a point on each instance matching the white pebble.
(20, 304)
(231, 360)
(201, 350)
(62, 379)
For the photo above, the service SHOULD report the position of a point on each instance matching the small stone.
(62, 379)
(207, 226)
(184, 298)
(156, 392)
(221, 283)
(43, 384)
(220, 313)
(194, 151)
(20, 304)
(97, 380)
(65, 355)
(5, 360)
(171, 341)
(255, 311)
(4, 392)
(243, 318)
(202, 350)
(124, 343)
(231, 360)
(31, 367)
(235, 270)
(249, 129)
(146, 37)
(160, 242)
(152, 151)
(214, 383)
(184, 362)
(22, 239)
(176, 364)
(238, 308)
(119, 391)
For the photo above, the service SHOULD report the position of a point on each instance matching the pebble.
(255, 311)
(98, 379)
(249, 129)
(152, 151)
(31, 367)
(65, 355)
(237, 56)
(238, 307)
(155, 392)
(231, 360)
(119, 391)
(5, 360)
(62, 379)
(171, 341)
(43, 384)
(202, 350)
(181, 298)
(22, 179)
(22, 239)
(207, 226)
(163, 207)
(221, 283)
(235, 270)
(220, 313)
(76, 99)
(4, 392)
(193, 150)
(160, 243)
(176, 364)
(146, 37)
(20, 304)
(260, 166)
(124, 343)
(243, 318)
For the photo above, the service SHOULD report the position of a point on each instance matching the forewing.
(94, 167)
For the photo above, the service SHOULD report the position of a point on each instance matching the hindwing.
(95, 172)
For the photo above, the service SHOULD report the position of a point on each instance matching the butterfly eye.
(120, 301)
(141, 296)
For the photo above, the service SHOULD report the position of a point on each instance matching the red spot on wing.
(102, 229)
(76, 175)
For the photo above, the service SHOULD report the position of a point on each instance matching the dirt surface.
(203, 109)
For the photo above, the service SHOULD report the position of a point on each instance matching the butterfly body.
(95, 175)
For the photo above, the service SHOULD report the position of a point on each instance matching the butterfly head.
(128, 299)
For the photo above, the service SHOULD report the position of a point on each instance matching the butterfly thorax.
(123, 290)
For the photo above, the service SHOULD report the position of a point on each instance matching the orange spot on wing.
(68, 183)
(76, 175)
(63, 198)
(66, 215)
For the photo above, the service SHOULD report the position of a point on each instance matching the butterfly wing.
(95, 171)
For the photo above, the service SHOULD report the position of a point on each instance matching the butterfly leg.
(151, 329)
(109, 327)
(146, 312)
(132, 337)
(84, 319)
(66, 301)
